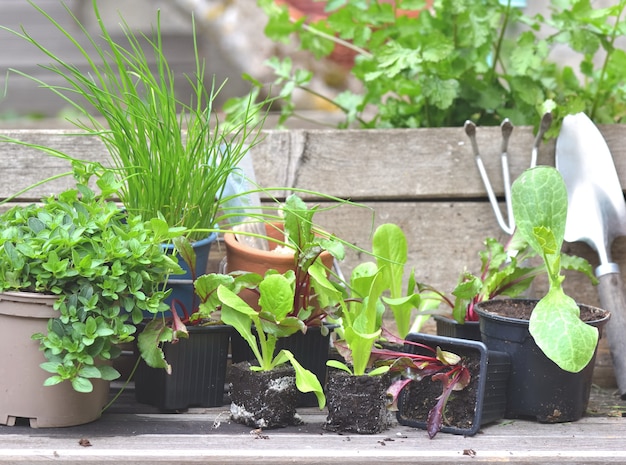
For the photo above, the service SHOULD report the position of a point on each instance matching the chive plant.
(173, 157)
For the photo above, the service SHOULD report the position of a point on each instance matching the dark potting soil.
(521, 309)
(263, 399)
(421, 396)
(356, 404)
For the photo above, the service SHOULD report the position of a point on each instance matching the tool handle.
(611, 292)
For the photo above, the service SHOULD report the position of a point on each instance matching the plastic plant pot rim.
(202, 242)
(483, 312)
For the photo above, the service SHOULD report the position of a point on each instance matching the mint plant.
(458, 60)
(106, 267)
(539, 198)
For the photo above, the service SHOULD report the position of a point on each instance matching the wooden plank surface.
(208, 436)
(414, 164)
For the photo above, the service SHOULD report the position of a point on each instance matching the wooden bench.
(425, 180)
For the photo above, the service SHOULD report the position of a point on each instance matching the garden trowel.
(596, 215)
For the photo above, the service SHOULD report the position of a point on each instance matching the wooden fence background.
(424, 180)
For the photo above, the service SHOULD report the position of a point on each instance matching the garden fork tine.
(507, 128)
(546, 122)
(470, 130)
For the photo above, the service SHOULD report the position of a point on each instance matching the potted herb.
(172, 156)
(91, 271)
(264, 393)
(295, 244)
(195, 349)
(481, 60)
(507, 270)
(553, 341)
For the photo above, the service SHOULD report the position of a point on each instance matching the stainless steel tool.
(507, 224)
(596, 215)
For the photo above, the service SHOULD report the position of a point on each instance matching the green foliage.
(389, 246)
(107, 267)
(539, 199)
(361, 319)
(506, 270)
(172, 157)
(271, 321)
(315, 295)
(462, 59)
(363, 308)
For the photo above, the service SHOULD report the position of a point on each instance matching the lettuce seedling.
(361, 320)
(271, 321)
(539, 198)
(389, 246)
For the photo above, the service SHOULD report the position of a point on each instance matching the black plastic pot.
(486, 392)
(449, 327)
(310, 349)
(198, 372)
(538, 388)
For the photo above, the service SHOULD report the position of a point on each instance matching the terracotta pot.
(241, 257)
(23, 314)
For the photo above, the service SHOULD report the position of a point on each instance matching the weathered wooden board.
(364, 165)
(209, 437)
(424, 180)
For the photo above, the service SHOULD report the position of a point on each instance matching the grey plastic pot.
(24, 396)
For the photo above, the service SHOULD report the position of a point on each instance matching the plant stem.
(332, 102)
(605, 64)
(130, 377)
(338, 41)
(496, 54)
